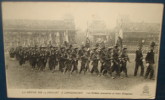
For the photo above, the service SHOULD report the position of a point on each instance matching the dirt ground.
(22, 77)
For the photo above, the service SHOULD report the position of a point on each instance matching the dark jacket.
(150, 57)
(139, 56)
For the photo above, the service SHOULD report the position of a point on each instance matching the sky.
(83, 12)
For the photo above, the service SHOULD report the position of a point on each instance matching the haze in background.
(84, 12)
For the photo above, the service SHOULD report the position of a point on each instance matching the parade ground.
(23, 77)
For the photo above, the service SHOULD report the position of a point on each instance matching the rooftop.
(39, 24)
(140, 27)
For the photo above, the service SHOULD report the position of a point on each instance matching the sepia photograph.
(81, 49)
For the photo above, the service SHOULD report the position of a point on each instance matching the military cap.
(83, 47)
(75, 48)
(62, 47)
(110, 48)
(124, 48)
(70, 46)
(153, 44)
(103, 48)
(115, 46)
(68, 50)
(95, 49)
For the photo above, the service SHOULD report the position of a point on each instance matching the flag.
(50, 37)
(120, 34)
(119, 39)
(66, 36)
(87, 33)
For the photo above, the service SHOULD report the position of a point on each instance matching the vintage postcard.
(81, 49)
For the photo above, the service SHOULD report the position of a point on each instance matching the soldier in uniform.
(95, 61)
(33, 59)
(21, 57)
(107, 62)
(52, 60)
(46, 55)
(62, 59)
(84, 60)
(38, 58)
(139, 61)
(24, 56)
(74, 60)
(81, 51)
(17, 53)
(124, 59)
(102, 56)
(93, 52)
(150, 62)
(12, 53)
(116, 62)
(42, 61)
(68, 61)
(57, 56)
(88, 61)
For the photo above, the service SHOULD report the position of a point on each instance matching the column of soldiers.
(112, 60)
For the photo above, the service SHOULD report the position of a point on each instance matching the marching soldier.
(93, 52)
(107, 61)
(21, 56)
(139, 61)
(88, 61)
(102, 55)
(56, 54)
(116, 62)
(46, 55)
(124, 59)
(81, 51)
(17, 53)
(150, 62)
(62, 59)
(74, 60)
(68, 61)
(52, 60)
(41, 61)
(12, 53)
(24, 56)
(95, 61)
(84, 60)
(38, 58)
(33, 59)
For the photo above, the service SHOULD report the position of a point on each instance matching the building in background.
(38, 32)
(135, 32)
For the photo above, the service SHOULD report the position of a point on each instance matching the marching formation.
(112, 60)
